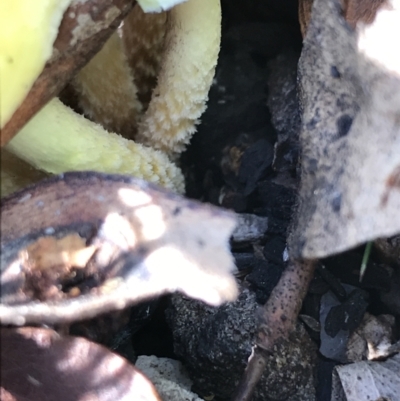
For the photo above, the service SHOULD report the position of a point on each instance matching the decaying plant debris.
(38, 362)
(87, 243)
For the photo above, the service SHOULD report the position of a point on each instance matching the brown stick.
(277, 320)
(251, 376)
(71, 54)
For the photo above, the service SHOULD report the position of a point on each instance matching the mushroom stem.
(106, 91)
(188, 65)
(58, 140)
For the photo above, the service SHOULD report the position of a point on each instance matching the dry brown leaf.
(148, 242)
(361, 10)
(38, 364)
(366, 381)
(372, 339)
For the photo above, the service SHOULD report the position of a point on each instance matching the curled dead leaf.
(362, 381)
(134, 240)
(38, 363)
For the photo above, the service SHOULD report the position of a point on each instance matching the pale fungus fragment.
(84, 145)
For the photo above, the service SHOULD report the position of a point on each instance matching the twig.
(277, 320)
(252, 374)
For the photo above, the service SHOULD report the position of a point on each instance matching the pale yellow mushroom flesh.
(57, 139)
(27, 33)
(189, 60)
(106, 89)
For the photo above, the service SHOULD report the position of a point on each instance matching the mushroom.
(192, 46)
(143, 35)
(83, 30)
(113, 103)
(24, 49)
(57, 139)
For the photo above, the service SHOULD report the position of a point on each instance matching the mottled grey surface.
(350, 133)
(215, 343)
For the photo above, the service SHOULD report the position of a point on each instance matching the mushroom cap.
(28, 30)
